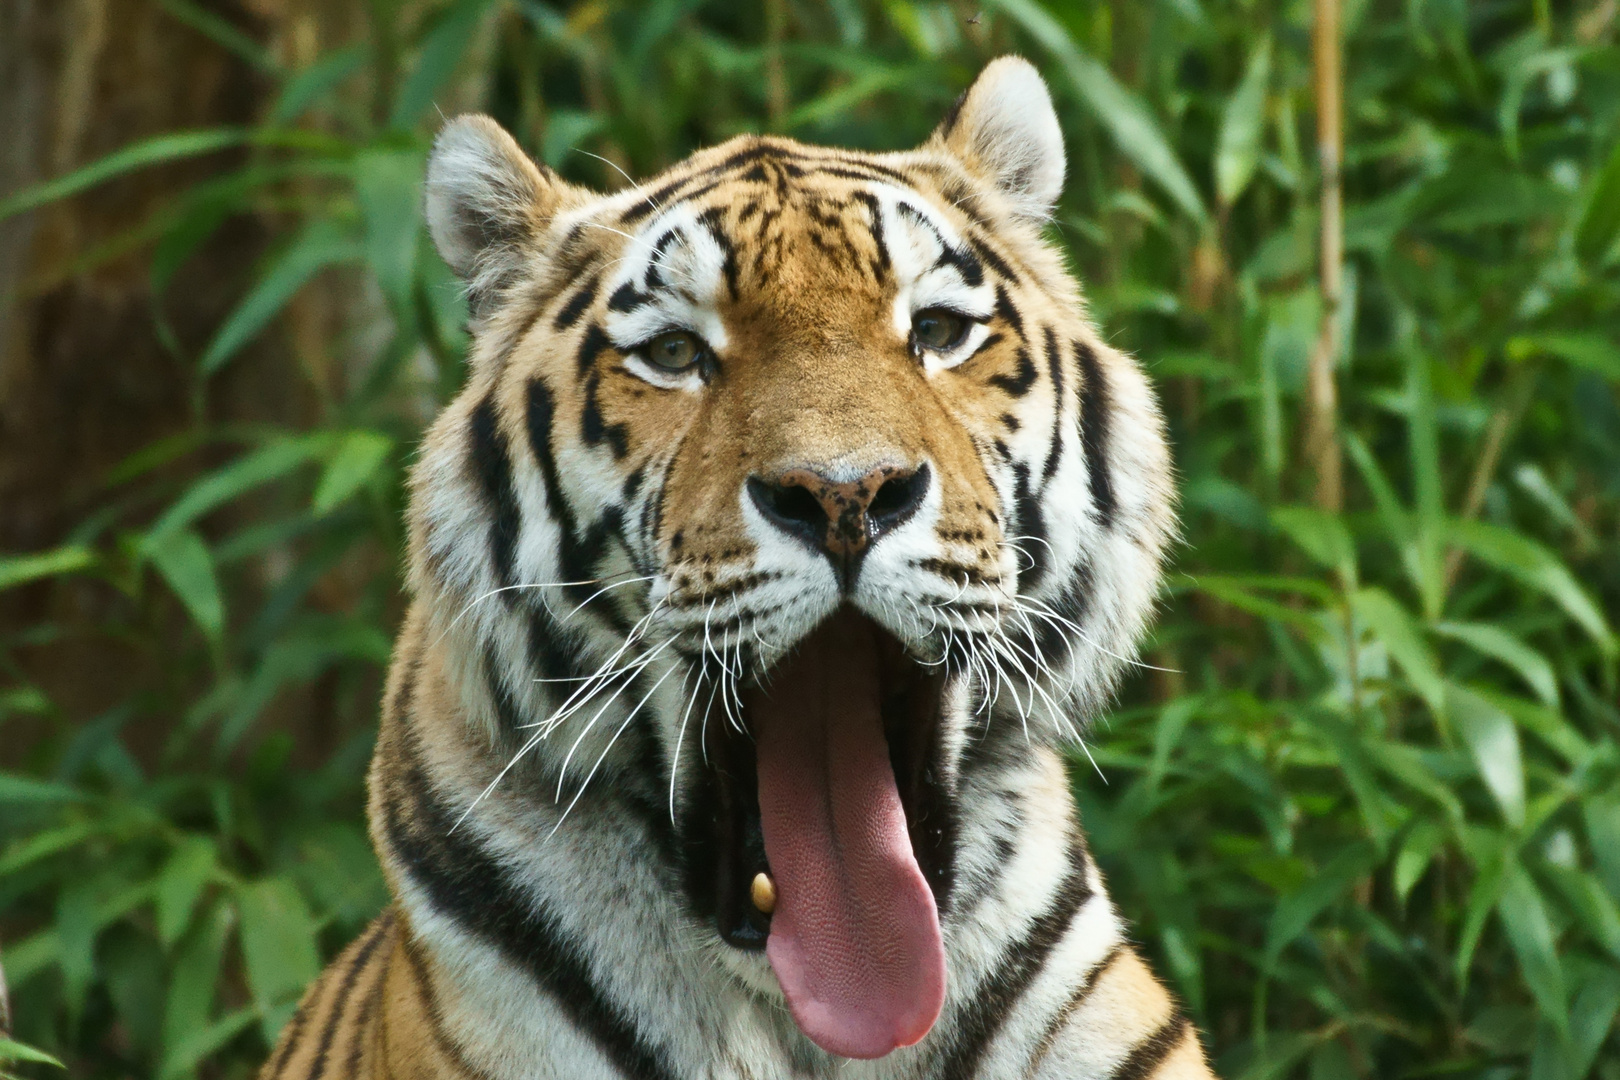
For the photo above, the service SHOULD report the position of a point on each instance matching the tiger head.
(783, 484)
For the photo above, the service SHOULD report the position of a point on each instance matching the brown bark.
(84, 378)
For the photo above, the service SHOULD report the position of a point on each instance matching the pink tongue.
(855, 938)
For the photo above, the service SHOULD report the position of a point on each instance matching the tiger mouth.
(835, 789)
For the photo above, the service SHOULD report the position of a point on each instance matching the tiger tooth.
(763, 893)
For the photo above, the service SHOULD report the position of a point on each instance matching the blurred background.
(1364, 807)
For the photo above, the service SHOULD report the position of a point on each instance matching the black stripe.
(627, 297)
(506, 709)
(317, 1068)
(577, 304)
(291, 1037)
(435, 1014)
(988, 255)
(1008, 312)
(952, 115)
(492, 467)
(1149, 1053)
(469, 885)
(995, 998)
(1054, 371)
(1095, 402)
(1017, 385)
(710, 219)
(1031, 529)
(594, 429)
(368, 1007)
(591, 346)
(874, 208)
(1061, 1018)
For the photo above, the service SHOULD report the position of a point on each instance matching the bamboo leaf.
(1530, 932)
(20, 569)
(188, 566)
(1126, 117)
(357, 458)
(442, 52)
(1237, 148)
(270, 462)
(1597, 230)
(1391, 624)
(1296, 911)
(1537, 568)
(182, 144)
(1493, 740)
(278, 947)
(1497, 643)
(322, 243)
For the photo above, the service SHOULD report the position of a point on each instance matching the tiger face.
(784, 484)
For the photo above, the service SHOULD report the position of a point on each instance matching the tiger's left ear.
(1004, 129)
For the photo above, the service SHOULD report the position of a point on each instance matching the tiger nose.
(840, 518)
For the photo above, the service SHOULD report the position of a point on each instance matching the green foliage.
(1364, 803)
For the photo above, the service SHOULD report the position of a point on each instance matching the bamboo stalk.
(1322, 400)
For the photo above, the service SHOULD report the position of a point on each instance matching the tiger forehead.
(763, 209)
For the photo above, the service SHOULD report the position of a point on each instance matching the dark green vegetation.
(1368, 821)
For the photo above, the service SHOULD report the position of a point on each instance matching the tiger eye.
(937, 329)
(676, 350)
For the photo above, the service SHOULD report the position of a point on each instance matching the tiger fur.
(612, 556)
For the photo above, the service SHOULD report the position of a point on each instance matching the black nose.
(840, 518)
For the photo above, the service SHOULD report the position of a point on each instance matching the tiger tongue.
(855, 938)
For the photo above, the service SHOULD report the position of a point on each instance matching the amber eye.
(676, 350)
(937, 329)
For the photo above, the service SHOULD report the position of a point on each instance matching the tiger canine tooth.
(763, 893)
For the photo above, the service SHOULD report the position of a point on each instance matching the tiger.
(793, 519)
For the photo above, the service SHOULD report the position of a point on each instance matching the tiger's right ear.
(486, 201)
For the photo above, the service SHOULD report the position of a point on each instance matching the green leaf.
(1598, 228)
(1237, 148)
(1530, 932)
(187, 565)
(442, 51)
(1595, 909)
(191, 1048)
(1537, 568)
(355, 461)
(278, 947)
(314, 82)
(1296, 911)
(1493, 740)
(20, 569)
(1126, 117)
(1424, 435)
(270, 462)
(199, 964)
(182, 144)
(322, 243)
(1497, 643)
(1320, 535)
(388, 184)
(13, 1051)
(1594, 352)
(1391, 625)
(23, 790)
(1417, 852)
(180, 886)
(221, 31)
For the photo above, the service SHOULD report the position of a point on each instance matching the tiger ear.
(485, 203)
(1004, 129)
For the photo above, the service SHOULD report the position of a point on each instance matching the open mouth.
(836, 797)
